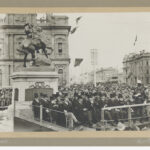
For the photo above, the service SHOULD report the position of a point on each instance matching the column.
(6, 46)
(5, 76)
(67, 75)
(129, 117)
(21, 94)
(11, 46)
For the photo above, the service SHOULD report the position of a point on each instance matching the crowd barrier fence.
(130, 112)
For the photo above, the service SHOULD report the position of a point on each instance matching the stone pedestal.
(24, 80)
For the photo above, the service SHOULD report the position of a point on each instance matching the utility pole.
(94, 59)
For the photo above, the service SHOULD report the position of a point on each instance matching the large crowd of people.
(5, 98)
(85, 103)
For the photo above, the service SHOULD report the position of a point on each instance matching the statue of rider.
(28, 28)
(33, 32)
(33, 42)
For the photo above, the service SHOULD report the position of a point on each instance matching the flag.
(77, 19)
(73, 30)
(78, 62)
(135, 40)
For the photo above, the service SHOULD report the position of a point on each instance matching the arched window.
(60, 71)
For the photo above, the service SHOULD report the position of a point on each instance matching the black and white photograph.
(75, 72)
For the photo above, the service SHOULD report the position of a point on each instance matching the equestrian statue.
(33, 43)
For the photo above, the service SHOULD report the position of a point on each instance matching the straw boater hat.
(121, 126)
(139, 81)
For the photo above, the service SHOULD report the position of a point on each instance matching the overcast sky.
(113, 34)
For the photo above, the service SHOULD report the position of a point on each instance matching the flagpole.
(94, 67)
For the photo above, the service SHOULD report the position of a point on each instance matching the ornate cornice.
(43, 27)
(27, 74)
(61, 59)
(21, 60)
(59, 66)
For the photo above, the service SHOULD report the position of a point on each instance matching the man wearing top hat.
(36, 106)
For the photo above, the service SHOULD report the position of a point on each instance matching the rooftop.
(136, 56)
(21, 19)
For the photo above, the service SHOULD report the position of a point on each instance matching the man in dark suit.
(36, 106)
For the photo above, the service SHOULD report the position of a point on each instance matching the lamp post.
(94, 59)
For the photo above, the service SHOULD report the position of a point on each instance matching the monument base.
(26, 84)
(22, 81)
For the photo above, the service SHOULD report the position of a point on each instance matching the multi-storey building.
(136, 67)
(55, 34)
(107, 75)
(103, 75)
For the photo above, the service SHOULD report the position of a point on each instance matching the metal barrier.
(45, 116)
(133, 112)
(49, 115)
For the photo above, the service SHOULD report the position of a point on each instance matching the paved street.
(25, 126)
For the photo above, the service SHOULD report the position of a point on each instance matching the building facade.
(136, 67)
(55, 34)
(107, 75)
(103, 75)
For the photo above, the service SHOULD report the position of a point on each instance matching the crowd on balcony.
(85, 102)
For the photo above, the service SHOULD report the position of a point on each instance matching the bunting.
(77, 19)
(78, 62)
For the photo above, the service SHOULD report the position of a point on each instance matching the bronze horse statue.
(31, 45)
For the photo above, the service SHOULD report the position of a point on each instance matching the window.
(114, 77)
(147, 63)
(1, 45)
(147, 71)
(16, 95)
(60, 48)
(147, 80)
(60, 71)
(0, 77)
